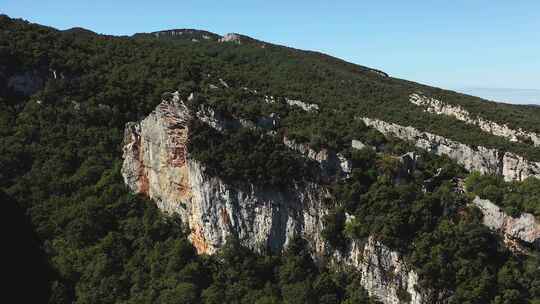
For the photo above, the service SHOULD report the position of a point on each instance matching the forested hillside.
(66, 96)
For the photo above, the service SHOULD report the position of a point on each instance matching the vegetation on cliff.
(60, 139)
(514, 197)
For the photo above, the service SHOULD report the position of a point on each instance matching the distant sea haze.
(515, 96)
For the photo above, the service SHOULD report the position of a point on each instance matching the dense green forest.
(514, 197)
(86, 239)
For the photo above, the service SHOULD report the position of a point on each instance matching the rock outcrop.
(231, 37)
(358, 145)
(332, 163)
(436, 106)
(384, 274)
(157, 164)
(524, 228)
(478, 158)
(308, 107)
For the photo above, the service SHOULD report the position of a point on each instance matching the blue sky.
(459, 44)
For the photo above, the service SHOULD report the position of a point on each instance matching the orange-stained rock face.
(225, 216)
(198, 240)
(144, 184)
(155, 155)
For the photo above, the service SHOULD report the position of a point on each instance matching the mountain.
(183, 166)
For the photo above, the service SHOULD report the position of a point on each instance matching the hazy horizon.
(505, 95)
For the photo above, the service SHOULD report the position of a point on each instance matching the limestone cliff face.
(524, 228)
(157, 164)
(438, 107)
(482, 159)
(332, 164)
(384, 274)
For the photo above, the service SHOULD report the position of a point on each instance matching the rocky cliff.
(384, 274)
(157, 164)
(478, 158)
(331, 163)
(524, 228)
(436, 106)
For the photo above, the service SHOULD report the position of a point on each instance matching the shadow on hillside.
(24, 266)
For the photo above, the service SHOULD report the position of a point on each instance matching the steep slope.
(268, 149)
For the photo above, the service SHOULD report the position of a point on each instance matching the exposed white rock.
(308, 107)
(380, 73)
(481, 159)
(384, 274)
(223, 83)
(231, 37)
(209, 116)
(435, 106)
(157, 164)
(219, 123)
(358, 145)
(76, 105)
(269, 99)
(331, 163)
(345, 164)
(524, 228)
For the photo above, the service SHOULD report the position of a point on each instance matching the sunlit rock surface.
(481, 159)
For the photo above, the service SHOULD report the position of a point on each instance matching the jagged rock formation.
(308, 107)
(358, 145)
(332, 163)
(435, 106)
(525, 228)
(482, 159)
(220, 123)
(231, 37)
(384, 274)
(157, 164)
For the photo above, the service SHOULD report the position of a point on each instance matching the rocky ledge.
(436, 106)
(524, 228)
(477, 158)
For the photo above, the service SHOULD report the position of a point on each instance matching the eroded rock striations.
(384, 274)
(436, 106)
(482, 159)
(524, 228)
(157, 164)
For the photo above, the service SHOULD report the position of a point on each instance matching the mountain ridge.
(124, 185)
